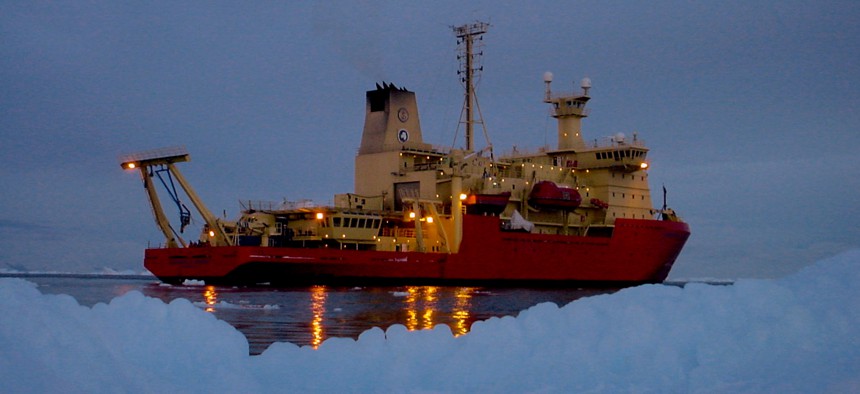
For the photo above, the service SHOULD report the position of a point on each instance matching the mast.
(469, 72)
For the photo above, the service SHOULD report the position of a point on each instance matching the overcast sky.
(749, 109)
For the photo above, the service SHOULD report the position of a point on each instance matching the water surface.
(309, 315)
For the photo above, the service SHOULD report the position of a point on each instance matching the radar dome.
(585, 83)
(547, 76)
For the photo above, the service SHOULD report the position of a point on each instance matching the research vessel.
(578, 213)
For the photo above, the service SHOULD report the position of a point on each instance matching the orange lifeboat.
(548, 195)
(487, 204)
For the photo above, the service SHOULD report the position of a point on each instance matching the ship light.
(463, 196)
(429, 219)
(130, 166)
(211, 233)
(320, 216)
(643, 165)
(412, 215)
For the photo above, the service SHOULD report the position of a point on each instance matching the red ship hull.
(638, 251)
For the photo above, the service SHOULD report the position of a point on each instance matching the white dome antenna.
(547, 76)
(585, 84)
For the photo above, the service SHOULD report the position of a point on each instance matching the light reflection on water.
(318, 296)
(210, 296)
(307, 316)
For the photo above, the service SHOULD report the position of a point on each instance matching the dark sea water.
(309, 315)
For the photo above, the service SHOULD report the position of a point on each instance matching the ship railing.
(617, 141)
(425, 166)
(567, 94)
(248, 205)
(524, 152)
(400, 232)
(567, 110)
(285, 205)
(443, 149)
(300, 204)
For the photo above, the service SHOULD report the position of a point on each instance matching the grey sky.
(748, 107)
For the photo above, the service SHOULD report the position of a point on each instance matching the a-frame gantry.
(160, 163)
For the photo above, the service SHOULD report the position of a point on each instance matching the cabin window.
(597, 155)
(361, 223)
(336, 221)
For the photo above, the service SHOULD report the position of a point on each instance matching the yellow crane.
(154, 163)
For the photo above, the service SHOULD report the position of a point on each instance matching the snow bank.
(795, 334)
